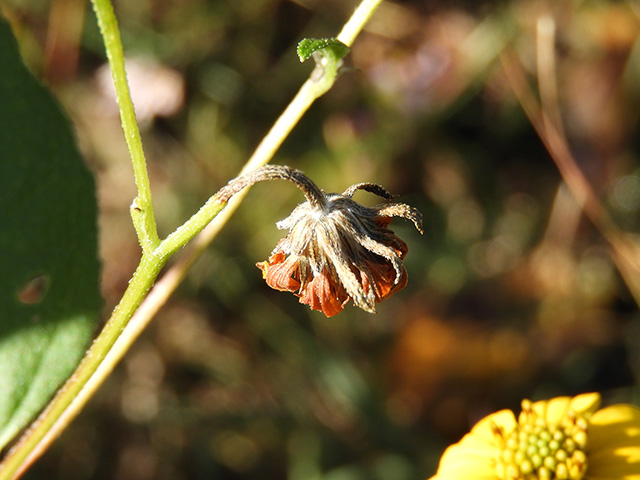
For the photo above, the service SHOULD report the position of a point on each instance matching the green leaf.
(49, 294)
(330, 47)
(328, 54)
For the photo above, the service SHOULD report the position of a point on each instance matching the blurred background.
(512, 293)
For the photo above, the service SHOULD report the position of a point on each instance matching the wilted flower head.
(337, 249)
(562, 438)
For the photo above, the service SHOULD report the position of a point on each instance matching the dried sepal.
(374, 188)
(404, 211)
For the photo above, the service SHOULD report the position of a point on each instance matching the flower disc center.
(536, 449)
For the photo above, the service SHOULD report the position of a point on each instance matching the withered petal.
(384, 278)
(382, 222)
(391, 239)
(323, 295)
(281, 273)
(399, 285)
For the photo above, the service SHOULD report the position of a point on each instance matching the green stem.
(27, 449)
(142, 208)
(190, 228)
(356, 23)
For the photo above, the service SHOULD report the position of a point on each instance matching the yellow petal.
(470, 453)
(468, 466)
(617, 462)
(473, 457)
(587, 402)
(485, 428)
(552, 410)
(617, 415)
(614, 443)
(617, 425)
(465, 475)
(630, 476)
(614, 457)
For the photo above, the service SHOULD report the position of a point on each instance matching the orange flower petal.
(391, 240)
(384, 276)
(281, 273)
(320, 294)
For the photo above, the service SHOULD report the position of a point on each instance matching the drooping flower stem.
(210, 209)
(275, 172)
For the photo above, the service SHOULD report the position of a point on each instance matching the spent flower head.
(336, 248)
(562, 438)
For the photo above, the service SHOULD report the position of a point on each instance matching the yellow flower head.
(561, 438)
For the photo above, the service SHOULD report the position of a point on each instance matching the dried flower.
(561, 438)
(336, 249)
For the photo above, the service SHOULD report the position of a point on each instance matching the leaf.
(331, 47)
(49, 291)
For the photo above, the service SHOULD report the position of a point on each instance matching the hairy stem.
(197, 222)
(142, 208)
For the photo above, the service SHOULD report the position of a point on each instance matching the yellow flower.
(561, 438)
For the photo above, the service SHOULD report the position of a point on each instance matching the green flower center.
(536, 450)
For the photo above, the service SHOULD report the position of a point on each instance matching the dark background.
(512, 292)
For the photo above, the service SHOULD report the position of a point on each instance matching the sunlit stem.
(142, 215)
(356, 23)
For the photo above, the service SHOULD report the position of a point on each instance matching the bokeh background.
(512, 294)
